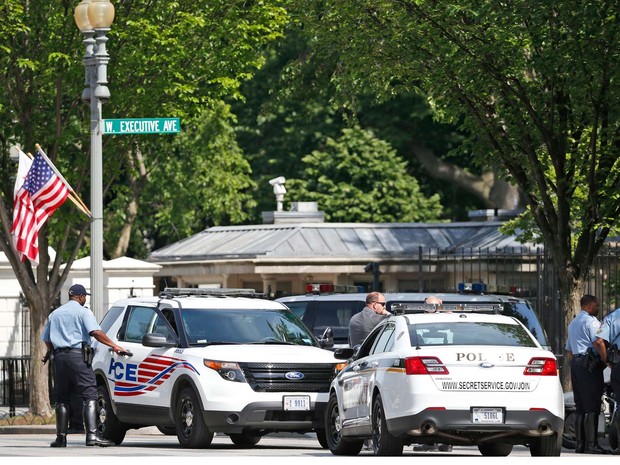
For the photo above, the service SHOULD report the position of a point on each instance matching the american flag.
(38, 196)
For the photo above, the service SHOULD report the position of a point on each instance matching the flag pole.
(72, 195)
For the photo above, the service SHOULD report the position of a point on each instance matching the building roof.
(334, 240)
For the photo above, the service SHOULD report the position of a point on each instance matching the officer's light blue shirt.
(610, 328)
(69, 325)
(582, 333)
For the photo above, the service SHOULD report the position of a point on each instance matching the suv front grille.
(271, 377)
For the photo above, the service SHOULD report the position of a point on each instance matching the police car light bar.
(326, 288)
(170, 292)
(472, 288)
(398, 308)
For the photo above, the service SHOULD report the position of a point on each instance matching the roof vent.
(300, 212)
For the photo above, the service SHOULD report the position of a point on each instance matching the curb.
(28, 429)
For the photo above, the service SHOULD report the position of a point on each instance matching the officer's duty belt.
(66, 349)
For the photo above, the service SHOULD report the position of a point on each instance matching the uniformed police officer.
(68, 327)
(588, 384)
(609, 337)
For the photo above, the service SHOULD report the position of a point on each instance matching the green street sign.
(142, 126)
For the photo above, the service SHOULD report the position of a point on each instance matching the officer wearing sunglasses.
(362, 323)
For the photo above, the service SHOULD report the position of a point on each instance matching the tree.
(535, 84)
(359, 178)
(289, 110)
(175, 58)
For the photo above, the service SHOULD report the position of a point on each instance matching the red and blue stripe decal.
(148, 375)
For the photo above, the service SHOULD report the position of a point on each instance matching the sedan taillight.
(425, 366)
(541, 367)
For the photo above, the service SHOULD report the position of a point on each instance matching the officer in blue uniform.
(607, 344)
(67, 332)
(588, 383)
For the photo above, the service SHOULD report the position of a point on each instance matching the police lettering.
(480, 357)
(119, 370)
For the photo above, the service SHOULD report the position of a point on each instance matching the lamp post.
(93, 19)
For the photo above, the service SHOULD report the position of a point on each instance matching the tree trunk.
(138, 177)
(38, 373)
(571, 291)
(488, 187)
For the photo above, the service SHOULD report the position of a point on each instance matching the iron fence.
(14, 382)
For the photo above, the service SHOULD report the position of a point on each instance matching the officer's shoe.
(90, 422)
(596, 449)
(61, 441)
(93, 440)
(62, 422)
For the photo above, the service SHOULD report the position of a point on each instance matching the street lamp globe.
(100, 13)
(81, 16)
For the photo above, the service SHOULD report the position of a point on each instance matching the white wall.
(123, 277)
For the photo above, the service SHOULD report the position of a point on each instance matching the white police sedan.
(462, 376)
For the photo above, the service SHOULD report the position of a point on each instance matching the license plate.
(296, 402)
(487, 415)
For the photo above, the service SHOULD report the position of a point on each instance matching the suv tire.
(192, 432)
(108, 425)
(245, 439)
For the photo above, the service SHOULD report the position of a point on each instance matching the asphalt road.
(271, 449)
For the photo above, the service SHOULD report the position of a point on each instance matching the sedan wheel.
(383, 443)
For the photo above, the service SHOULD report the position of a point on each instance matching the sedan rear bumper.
(458, 424)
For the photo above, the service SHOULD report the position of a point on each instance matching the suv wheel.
(191, 429)
(108, 425)
(245, 439)
(546, 446)
(495, 449)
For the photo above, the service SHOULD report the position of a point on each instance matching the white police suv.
(202, 361)
(464, 375)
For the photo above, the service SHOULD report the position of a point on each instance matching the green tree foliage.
(289, 109)
(359, 178)
(534, 83)
(167, 59)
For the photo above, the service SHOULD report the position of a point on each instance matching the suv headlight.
(230, 371)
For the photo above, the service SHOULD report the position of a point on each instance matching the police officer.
(588, 384)
(68, 327)
(608, 335)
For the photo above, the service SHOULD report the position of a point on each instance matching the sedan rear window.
(468, 333)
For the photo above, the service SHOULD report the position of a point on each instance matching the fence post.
(11, 389)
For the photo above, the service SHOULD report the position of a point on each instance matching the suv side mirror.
(326, 341)
(156, 340)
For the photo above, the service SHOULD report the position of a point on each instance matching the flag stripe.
(35, 200)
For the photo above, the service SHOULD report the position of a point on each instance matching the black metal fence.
(14, 382)
(521, 271)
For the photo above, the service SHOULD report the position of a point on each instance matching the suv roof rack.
(474, 307)
(170, 292)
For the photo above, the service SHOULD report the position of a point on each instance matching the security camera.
(278, 180)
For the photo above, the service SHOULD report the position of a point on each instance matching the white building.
(123, 277)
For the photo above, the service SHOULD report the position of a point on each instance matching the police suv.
(462, 375)
(331, 306)
(202, 361)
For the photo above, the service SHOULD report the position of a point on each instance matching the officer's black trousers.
(72, 374)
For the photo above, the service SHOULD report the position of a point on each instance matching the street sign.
(142, 126)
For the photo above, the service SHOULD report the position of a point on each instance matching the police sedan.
(462, 376)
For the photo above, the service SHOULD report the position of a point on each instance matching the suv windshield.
(478, 334)
(225, 326)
